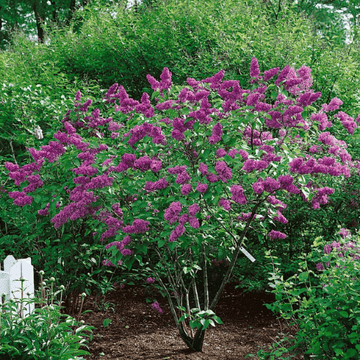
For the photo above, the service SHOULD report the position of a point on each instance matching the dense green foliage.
(322, 304)
(45, 333)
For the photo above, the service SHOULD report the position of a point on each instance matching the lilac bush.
(170, 182)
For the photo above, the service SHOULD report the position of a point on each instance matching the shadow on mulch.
(137, 331)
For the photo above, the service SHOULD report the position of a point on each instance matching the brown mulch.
(137, 331)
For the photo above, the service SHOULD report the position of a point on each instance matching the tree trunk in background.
(54, 13)
(39, 20)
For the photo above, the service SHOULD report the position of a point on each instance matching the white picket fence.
(11, 287)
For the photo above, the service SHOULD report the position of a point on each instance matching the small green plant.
(322, 301)
(104, 306)
(44, 334)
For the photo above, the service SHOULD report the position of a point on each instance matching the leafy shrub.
(43, 334)
(322, 301)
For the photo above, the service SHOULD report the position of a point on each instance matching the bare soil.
(137, 331)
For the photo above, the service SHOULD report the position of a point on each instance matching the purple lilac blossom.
(183, 178)
(220, 153)
(280, 217)
(156, 307)
(269, 74)
(193, 209)
(201, 188)
(271, 185)
(232, 153)
(282, 75)
(126, 252)
(203, 169)
(172, 212)
(244, 154)
(184, 219)
(194, 222)
(177, 169)
(186, 189)
(216, 134)
(344, 233)
(211, 177)
(215, 80)
(223, 171)
(238, 194)
(258, 187)
(176, 233)
(225, 204)
(334, 104)
(254, 68)
(276, 235)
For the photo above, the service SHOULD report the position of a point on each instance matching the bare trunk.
(38, 20)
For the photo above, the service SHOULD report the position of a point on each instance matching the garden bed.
(137, 331)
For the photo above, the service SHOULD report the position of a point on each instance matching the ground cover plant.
(207, 156)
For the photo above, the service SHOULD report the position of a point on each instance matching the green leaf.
(326, 258)
(344, 314)
(217, 319)
(171, 245)
(106, 322)
(206, 324)
(194, 324)
(303, 276)
(351, 353)
(161, 243)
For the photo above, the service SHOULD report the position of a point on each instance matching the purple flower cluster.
(251, 165)
(321, 197)
(274, 201)
(246, 216)
(307, 98)
(215, 80)
(146, 129)
(225, 204)
(172, 212)
(216, 134)
(276, 235)
(20, 198)
(344, 233)
(150, 280)
(254, 68)
(322, 166)
(238, 194)
(280, 217)
(334, 104)
(156, 307)
(269, 74)
(164, 84)
(177, 232)
(347, 121)
(322, 119)
(156, 185)
(107, 262)
(186, 189)
(202, 188)
(223, 171)
(138, 226)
